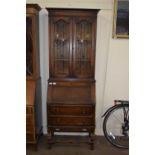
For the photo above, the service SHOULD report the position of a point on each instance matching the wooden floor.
(102, 147)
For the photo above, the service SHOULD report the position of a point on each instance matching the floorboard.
(102, 147)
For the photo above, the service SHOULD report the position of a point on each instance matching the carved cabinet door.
(60, 47)
(83, 47)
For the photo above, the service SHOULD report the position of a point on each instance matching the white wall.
(91, 4)
(117, 76)
(111, 56)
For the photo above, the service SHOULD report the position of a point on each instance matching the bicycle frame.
(107, 111)
(115, 104)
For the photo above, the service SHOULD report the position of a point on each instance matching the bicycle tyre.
(109, 113)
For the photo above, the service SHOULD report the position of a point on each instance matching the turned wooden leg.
(36, 147)
(91, 141)
(49, 139)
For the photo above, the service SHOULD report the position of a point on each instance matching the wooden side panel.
(30, 92)
(33, 94)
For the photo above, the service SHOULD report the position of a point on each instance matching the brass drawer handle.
(84, 111)
(57, 129)
(52, 83)
(84, 129)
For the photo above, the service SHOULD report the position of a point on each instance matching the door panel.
(60, 47)
(83, 57)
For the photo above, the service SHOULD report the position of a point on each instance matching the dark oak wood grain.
(71, 89)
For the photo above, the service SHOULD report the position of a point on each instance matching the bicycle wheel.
(116, 126)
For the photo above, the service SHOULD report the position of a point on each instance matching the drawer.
(30, 138)
(29, 120)
(70, 121)
(30, 128)
(70, 110)
(29, 110)
(72, 128)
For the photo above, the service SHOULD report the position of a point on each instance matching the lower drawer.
(30, 124)
(30, 128)
(30, 138)
(29, 120)
(70, 121)
(72, 128)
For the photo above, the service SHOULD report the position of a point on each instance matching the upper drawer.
(29, 110)
(70, 110)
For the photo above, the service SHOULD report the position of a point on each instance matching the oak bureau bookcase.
(33, 86)
(71, 85)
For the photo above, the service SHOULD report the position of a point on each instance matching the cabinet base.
(34, 143)
(57, 139)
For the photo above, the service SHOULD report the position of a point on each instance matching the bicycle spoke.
(116, 127)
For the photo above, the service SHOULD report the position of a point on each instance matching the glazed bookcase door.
(29, 46)
(83, 57)
(61, 44)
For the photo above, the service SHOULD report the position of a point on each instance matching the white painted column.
(104, 27)
(44, 62)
